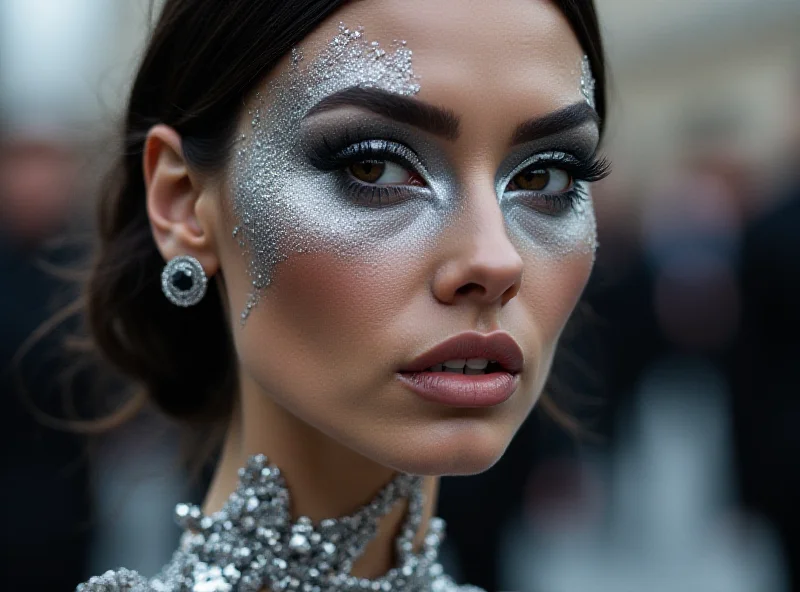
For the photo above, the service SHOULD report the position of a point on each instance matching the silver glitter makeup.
(284, 205)
(573, 232)
(587, 82)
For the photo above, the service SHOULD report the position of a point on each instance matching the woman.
(376, 223)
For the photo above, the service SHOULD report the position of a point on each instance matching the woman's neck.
(324, 478)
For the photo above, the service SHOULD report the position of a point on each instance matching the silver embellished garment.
(252, 545)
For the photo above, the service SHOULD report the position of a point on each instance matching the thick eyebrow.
(439, 121)
(556, 122)
(445, 123)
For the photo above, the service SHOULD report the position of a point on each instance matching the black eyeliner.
(581, 171)
(331, 151)
(587, 170)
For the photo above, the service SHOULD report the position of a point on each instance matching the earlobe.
(173, 193)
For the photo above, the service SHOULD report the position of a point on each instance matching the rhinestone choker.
(252, 545)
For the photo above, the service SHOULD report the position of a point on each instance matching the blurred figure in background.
(44, 500)
(692, 227)
(62, 67)
(766, 368)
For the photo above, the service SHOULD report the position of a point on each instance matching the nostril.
(471, 288)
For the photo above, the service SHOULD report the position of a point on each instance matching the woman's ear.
(179, 226)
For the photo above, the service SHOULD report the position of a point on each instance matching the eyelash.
(337, 156)
(580, 171)
(347, 149)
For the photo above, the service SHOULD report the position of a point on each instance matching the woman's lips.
(462, 390)
(499, 350)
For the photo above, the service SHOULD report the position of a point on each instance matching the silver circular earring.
(184, 281)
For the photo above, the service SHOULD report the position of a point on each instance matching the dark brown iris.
(532, 180)
(367, 172)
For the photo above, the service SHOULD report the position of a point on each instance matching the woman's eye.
(383, 172)
(550, 180)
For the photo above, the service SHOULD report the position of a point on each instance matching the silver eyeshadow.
(283, 204)
(588, 82)
(573, 232)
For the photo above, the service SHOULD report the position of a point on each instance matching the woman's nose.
(484, 267)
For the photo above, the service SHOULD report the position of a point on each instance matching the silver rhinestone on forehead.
(587, 82)
(267, 157)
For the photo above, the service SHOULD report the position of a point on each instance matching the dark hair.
(203, 58)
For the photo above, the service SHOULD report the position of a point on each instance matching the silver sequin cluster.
(252, 545)
(267, 159)
(588, 82)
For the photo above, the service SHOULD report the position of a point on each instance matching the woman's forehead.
(467, 54)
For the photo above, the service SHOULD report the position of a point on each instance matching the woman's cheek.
(557, 265)
(552, 289)
(332, 297)
(558, 254)
(341, 313)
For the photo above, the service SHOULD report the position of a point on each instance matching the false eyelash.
(328, 156)
(375, 195)
(596, 169)
(570, 199)
(588, 171)
(581, 171)
(354, 146)
(557, 203)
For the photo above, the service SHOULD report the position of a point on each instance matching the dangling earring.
(184, 281)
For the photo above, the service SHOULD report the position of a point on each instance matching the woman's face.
(384, 197)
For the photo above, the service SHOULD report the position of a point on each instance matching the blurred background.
(683, 369)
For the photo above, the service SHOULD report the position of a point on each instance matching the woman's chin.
(464, 451)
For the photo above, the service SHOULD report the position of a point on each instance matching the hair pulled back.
(203, 58)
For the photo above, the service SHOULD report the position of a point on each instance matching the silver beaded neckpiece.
(252, 544)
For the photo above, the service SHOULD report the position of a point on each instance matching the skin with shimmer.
(283, 203)
(344, 294)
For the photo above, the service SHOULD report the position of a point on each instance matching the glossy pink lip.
(498, 346)
(463, 390)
